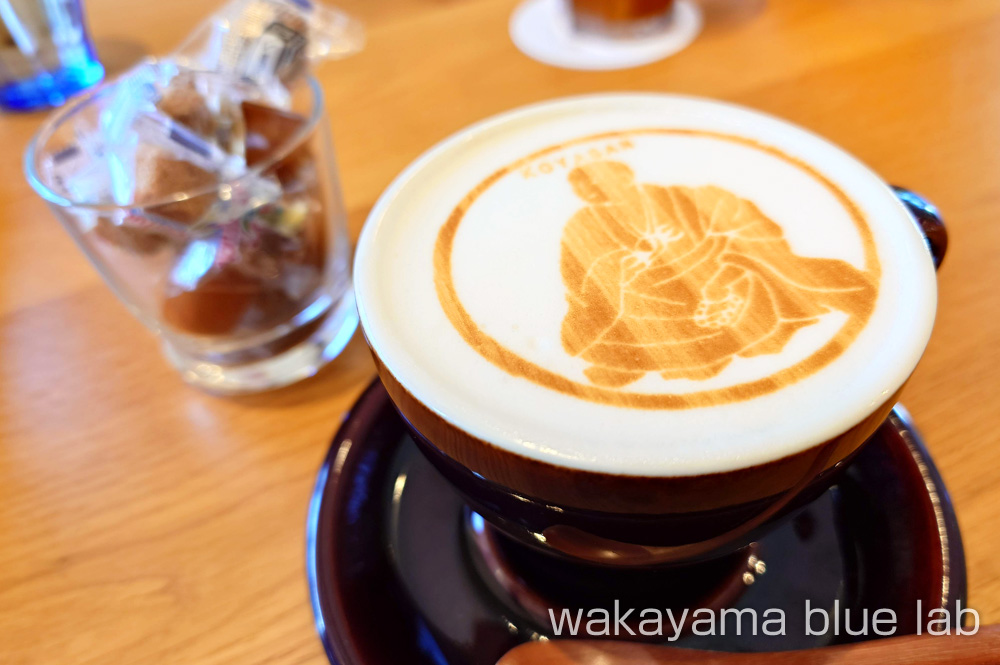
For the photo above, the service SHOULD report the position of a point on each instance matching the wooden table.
(142, 521)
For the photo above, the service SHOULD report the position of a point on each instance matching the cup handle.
(929, 220)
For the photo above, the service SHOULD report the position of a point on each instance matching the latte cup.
(636, 330)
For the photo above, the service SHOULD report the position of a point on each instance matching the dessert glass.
(247, 300)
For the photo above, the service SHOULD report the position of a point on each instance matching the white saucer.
(541, 29)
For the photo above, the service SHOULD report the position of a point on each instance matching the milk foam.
(506, 275)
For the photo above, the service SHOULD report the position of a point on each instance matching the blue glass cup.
(45, 53)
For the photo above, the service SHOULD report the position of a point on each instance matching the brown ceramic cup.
(579, 510)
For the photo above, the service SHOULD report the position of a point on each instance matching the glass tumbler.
(45, 53)
(247, 300)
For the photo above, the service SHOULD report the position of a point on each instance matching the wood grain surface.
(144, 522)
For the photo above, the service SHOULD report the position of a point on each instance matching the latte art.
(683, 281)
(680, 280)
(644, 285)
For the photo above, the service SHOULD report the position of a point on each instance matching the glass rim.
(56, 119)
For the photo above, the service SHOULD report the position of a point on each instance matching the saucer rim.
(331, 624)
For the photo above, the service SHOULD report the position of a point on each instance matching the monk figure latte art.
(680, 280)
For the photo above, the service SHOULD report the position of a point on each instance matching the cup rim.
(55, 120)
(456, 408)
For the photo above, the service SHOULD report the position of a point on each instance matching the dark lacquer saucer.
(394, 577)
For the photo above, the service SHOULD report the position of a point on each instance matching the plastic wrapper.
(270, 42)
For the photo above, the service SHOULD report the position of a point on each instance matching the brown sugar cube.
(182, 102)
(267, 131)
(140, 241)
(290, 264)
(159, 175)
(314, 239)
(296, 336)
(302, 239)
(215, 306)
(312, 236)
(273, 308)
